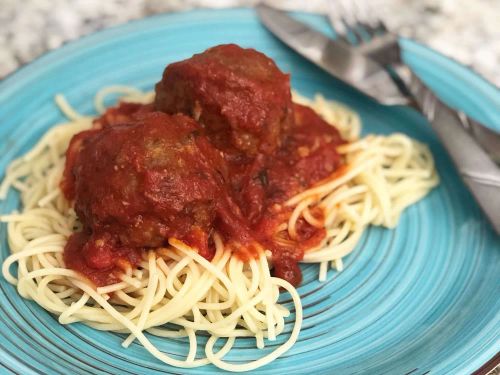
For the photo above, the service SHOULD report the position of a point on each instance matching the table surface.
(466, 30)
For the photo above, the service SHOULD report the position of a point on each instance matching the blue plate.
(421, 298)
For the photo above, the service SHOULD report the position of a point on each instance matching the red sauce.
(122, 114)
(101, 265)
(140, 176)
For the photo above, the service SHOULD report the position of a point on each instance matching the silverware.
(336, 58)
(357, 25)
(480, 174)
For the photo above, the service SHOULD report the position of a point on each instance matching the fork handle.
(479, 173)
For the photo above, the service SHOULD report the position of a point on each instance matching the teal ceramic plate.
(422, 298)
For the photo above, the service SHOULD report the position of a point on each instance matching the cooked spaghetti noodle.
(225, 297)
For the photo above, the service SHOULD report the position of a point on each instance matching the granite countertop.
(466, 30)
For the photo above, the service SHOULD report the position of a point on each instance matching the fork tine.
(381, 25)
(359, 25)
(337, 22)
(348, 19)
(359, 19)
(357, 33)
(368, 18)
(366, 30)
(378, 27)
(354, 20)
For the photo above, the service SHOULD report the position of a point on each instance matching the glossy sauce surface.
(228, 164)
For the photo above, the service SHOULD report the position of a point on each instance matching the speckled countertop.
(467, 30)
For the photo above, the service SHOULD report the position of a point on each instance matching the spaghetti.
(225, 297)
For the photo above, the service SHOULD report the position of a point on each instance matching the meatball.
(239, 95)
(310, 149)
(308, 154)
(145, 181)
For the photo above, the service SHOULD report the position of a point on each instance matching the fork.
(370, 36)
(356, 24)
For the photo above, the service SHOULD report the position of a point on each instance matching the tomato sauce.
(100, 265)
(141, 176)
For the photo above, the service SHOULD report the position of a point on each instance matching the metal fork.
(370, 36)
(356, 23)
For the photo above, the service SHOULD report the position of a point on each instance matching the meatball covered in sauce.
(308, 154)
(239, 95)
(137, 184)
